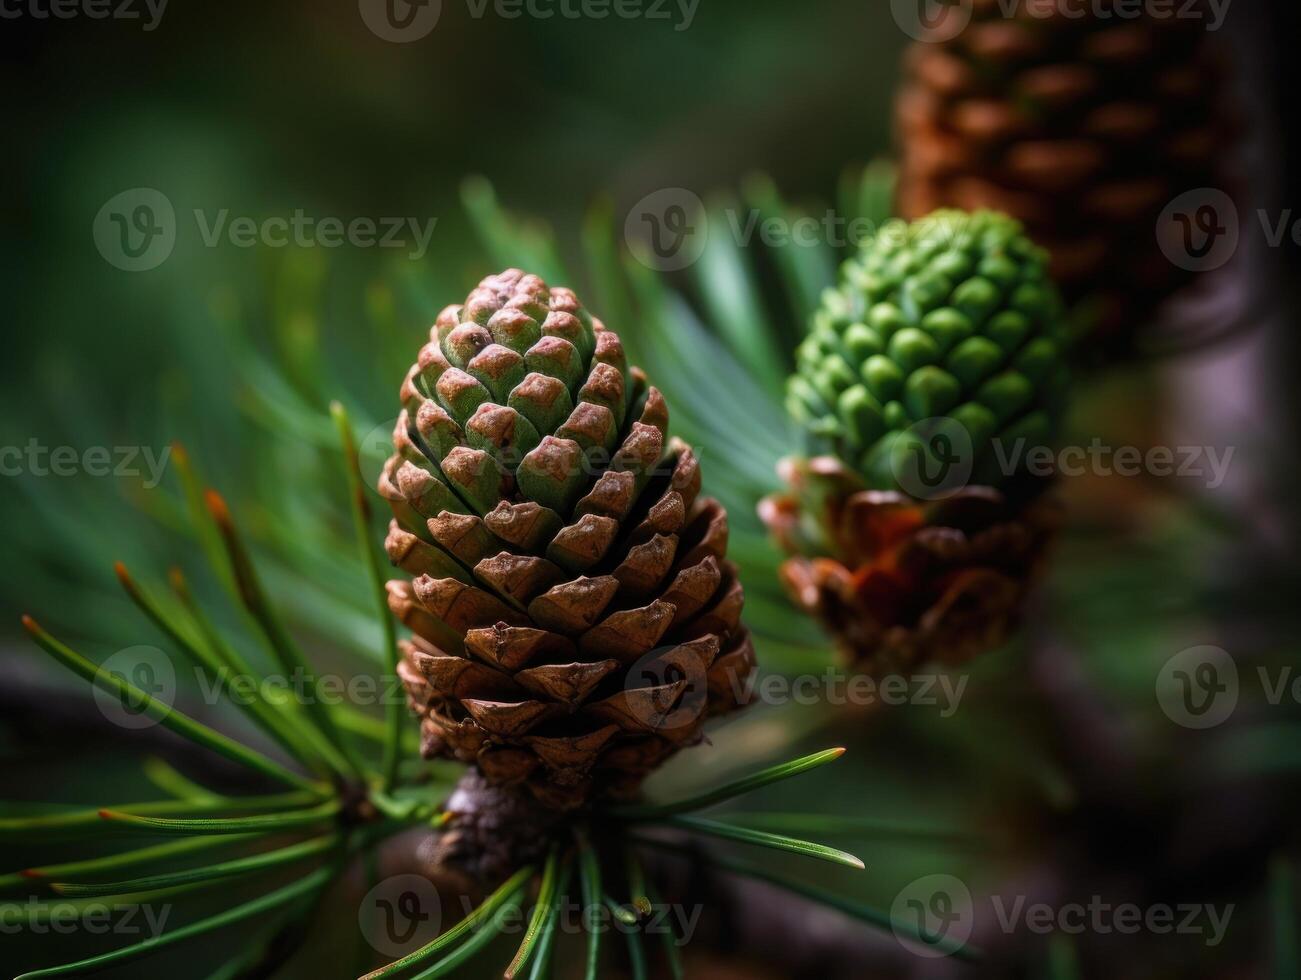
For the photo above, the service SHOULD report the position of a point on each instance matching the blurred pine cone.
(928, 377)
(1083, 127)
(575, 617)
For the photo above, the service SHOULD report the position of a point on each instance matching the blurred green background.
(1060, 763)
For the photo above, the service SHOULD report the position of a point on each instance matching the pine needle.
(590, 878)
(230, 825)
(212, 872)
(761, 838)
(248, 910)
(541, 911)
(279, 641)
(178, 722)
(395, 713)
(507, 892)
(746, 784)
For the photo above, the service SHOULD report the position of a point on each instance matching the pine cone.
(900, 582)
(941, 353)
(1085, 128)
(575, 617)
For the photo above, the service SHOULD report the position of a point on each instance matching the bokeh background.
(1060, 778)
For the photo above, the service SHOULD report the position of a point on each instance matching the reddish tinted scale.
(575, 617)
(900, 582)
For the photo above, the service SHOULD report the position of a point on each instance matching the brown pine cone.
(1083, 127)
(576, 619)
(900, 582)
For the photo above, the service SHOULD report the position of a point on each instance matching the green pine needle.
(75, 819)
(747, 784)
(833, 824)
(471, 947)
(168, 779)
(217, 659)
(248, 910)
(395, 713)
(636, 955)
(541, 911)
(856, 910)
(228, 825)
(620, 912)
(292, 730)
(93, 867)
(590, 878)
(279, 641)
(178, 722)
(669, 939)
(761, 838)
(542, 961)
(486, 911)
(212, 872)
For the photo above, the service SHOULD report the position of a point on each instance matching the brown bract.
(900, 582)
(575, 617)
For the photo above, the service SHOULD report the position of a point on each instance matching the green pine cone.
(951, 317)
